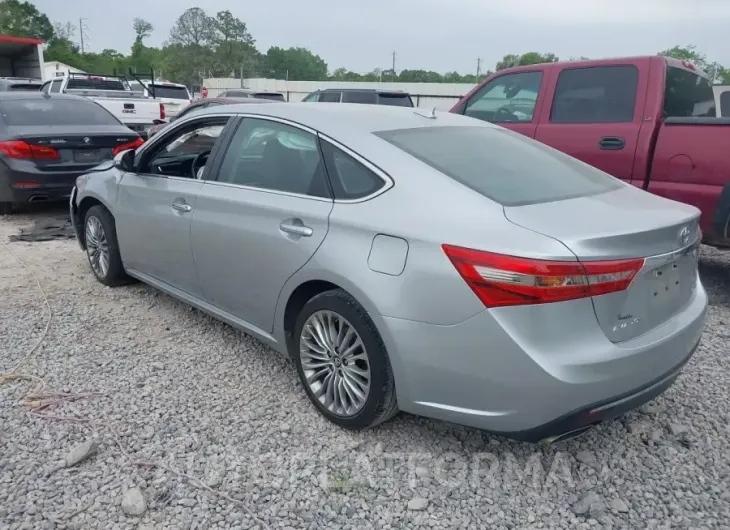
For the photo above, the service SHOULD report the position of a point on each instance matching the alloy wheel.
(97, 246)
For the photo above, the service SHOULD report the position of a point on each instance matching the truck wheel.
(6, 208)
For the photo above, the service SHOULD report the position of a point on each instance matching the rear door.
(155, 206)
(512, 100)
(594, 113)
(261, 218)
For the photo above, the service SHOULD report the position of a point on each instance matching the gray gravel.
(199, 426)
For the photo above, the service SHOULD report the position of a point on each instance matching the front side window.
(598, 94)
(500, 164)
(688, 94)
(184, 152)
(56, 86)
(311, 98)
(274, 156)
(46, 87)
(508, 98)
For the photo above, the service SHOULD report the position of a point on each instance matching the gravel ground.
(158, 416)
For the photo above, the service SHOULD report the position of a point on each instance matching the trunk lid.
(623, 224)
(78, 147)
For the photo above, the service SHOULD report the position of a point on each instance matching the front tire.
(102, 249)
(342, 362)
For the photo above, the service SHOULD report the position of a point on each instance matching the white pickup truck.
(113, 93)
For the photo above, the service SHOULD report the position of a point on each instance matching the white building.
(51, 67)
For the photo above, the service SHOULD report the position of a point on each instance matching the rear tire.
(6, 208)
(102, 249)
(342, 362)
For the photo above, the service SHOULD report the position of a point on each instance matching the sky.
(440, 35)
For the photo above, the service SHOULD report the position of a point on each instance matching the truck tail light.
(162, 111)
(24, 151)
(499, 280)
(129, 145)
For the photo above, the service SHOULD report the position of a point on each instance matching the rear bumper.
(21, 186)
(535, 377)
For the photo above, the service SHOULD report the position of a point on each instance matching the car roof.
(341, 119)
(40, 95)
(236, 101)
(376, 90)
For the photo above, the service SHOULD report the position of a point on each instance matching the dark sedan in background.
(200, 104)
(47, 140)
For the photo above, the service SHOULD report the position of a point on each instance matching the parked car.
(14, 84)
(113, 93)
(247, 93)
(360, 95)
(722, 100)
(426, 262)
(200, 105)
(649, 121)
(174, 96)
(47, 141)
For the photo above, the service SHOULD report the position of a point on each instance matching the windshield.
(170, 92)
(54, 112)
(500, 164)
(688, 94)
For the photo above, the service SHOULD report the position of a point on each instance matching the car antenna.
(431, 115)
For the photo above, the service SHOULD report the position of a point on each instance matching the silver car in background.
(406, 260)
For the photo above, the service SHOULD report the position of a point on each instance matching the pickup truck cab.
(649, 121)
(113, 93)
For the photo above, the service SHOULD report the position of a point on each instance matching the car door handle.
(611, 143)
(295, 229)
(182, 207)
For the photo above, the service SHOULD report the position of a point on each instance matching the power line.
(82, 32)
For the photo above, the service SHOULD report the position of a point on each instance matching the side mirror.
(125, 161)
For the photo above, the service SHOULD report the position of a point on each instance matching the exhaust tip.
(569, 435)
(38, 198)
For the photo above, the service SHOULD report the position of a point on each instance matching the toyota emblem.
(684, 236)
(87, 139)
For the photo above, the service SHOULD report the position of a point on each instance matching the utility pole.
(82, 35)
(479, 66)
(393, 70)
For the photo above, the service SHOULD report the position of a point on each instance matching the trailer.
(21, 57)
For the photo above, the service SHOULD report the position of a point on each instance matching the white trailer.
(21, 57)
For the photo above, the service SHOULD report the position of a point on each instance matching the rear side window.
(368, 98)
(350, 179)
(600, 94)
(502, 165)
(170, 92)
(688, 95)
(56, 86)
(395, 100)
(54, 112)
(725, 104)
(330, 97)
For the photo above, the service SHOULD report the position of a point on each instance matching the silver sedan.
(409, 260)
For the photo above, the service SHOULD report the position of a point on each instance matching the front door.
(260, 219)
(156, 204)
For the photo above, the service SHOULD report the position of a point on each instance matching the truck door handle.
(295, 227)
(611, 143)
(181, 206)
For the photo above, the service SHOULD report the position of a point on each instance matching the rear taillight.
(130, 145)
(162, 111)
(22, 150)
(500, 280)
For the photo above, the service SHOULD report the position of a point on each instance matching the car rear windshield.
(93, 83)
(366, 98)
(27, 87)
(500, 164)
(688, 94)
(395, 100)
(273, 96)
(51, 111)
(170, 92)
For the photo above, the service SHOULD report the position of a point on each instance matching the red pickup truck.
(649, 121)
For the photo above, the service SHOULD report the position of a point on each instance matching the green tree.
(691, 54)
(189, 49)
(235, 49)
(296, 64)
(511, 60)
(22, 19)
